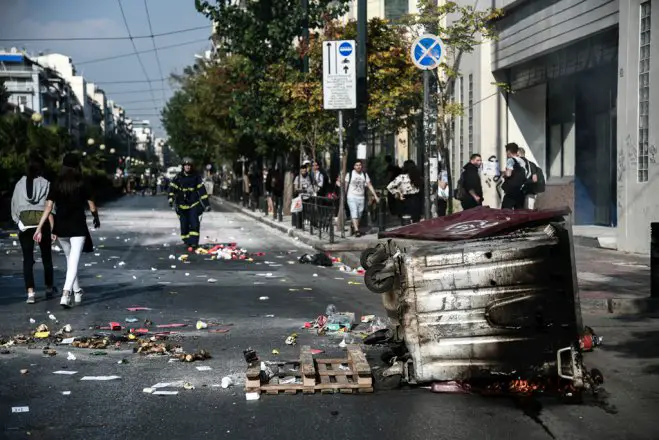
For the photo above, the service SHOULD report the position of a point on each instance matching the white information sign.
(339, 75)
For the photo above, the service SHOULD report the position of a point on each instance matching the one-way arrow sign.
(339, 78)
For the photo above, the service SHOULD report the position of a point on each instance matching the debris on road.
(292, 339)
(137, 309)
(70, 356)
(24, 371)
(226, 382)
(264, 298)
(20, 409)
(204, 368)
(131, 319)
(318, 259)
(65, 372)
(589, 340)
(100, 378)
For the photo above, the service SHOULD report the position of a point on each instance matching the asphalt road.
(132, 267)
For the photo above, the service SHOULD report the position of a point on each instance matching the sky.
(102, 18)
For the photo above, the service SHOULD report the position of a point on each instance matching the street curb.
(593, 242)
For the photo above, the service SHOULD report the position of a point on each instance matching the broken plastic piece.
(252, 396)
(201, 324)
(275, 351)
(41, 335)
(115, 326)
(226, 382)
(70, 356)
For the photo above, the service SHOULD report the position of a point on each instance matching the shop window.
(644, 94)
(560, 155)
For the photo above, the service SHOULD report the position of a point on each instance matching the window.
(395, 9)
(22, 100)
(461, 156)
(471, 114)
(644, 94)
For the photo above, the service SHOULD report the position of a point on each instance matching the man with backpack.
(517, 174)
(535, 185)
(470, 188)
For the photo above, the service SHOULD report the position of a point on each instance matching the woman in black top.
(70, 197)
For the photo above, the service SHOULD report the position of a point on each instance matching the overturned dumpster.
(481, 294)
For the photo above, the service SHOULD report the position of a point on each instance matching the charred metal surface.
(487, 307)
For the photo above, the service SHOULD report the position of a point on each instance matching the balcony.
(15, 71)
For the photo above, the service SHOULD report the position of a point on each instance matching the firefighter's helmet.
(186, 161)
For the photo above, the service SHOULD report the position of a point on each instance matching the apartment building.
(581, 103)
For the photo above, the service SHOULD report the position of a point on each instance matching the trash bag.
(318, 259)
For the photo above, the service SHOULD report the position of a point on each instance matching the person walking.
(356, 182)
(27, 206)
(535, 185)
(275, 186)
(406, 187)
(442, 192)
(188, 197)
(470, 188)
(70, 197)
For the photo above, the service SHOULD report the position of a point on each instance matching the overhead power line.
(114, 57)
(139, 58)
(139, 37)
(133, 81)
(133, 92)
(153, 40)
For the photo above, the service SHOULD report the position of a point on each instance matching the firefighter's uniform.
(188, 194)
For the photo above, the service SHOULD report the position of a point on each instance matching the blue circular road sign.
(345, 49)
(427, 52)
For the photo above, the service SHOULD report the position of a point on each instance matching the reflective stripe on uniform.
(194, 233)
(185, 236)
(188, 206)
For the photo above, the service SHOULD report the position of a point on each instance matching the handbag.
(88, 247)
(296, 204)
(30, 218)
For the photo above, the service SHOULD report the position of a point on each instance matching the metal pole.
(426, 143)
(362, 60)
(342, 178)
(654, 260)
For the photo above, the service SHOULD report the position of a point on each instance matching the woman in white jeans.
(71, 197)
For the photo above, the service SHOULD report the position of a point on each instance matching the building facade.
(580, 102)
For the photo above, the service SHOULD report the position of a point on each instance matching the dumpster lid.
(474, 223)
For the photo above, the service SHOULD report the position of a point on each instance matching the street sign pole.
(342, 179)
(426, 142)
(426, 53)
(340, 93)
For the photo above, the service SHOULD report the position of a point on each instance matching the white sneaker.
(78, 296)
(66, 299)
(30, 298)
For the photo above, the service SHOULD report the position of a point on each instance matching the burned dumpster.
(481, 294)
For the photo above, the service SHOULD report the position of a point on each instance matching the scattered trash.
(115, 326)
(100, 378)
(67, 328)
(292, 339)
(219, 330)
(22, 409)
(212, 280)
(226, 382)
(264, 298)
(176, 325)
(318, 259)
(165, 393)
(49, 352)
(317, 351)
(201, 324)
(66, 393)
(252, 396)
(269, 316)
(24, 371)
(65, 372)
(148, 390)
(122, 361)
(343, 344)
(137, 309)
(32, 321)
(131, 319)
(187, 386)
(367, 318)
(275, 351)
(121, 263)
(67, 341)
(52, 317)
(41, 335)
(98, 353)
(204, 368)
(450, 387)
(70, 356)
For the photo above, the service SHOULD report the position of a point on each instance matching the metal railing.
(317, 216)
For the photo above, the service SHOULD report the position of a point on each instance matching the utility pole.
(361, 134)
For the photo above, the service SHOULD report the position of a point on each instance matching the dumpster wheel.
(376, 281)
(370, 257)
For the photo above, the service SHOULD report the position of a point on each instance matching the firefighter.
(187, 194)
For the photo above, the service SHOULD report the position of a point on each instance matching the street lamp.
(36, 118)
(102, 147)
(90, 141)
(112, 150)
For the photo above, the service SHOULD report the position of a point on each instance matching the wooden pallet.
(346, 376)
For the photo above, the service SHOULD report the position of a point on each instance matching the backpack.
(539, 186)
(517, 178)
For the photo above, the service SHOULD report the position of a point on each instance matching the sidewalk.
(609, 281)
